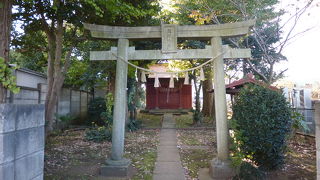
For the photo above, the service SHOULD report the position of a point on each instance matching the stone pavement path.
(168, 164)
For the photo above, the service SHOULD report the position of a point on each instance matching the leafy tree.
(61, 22)
(266, 41)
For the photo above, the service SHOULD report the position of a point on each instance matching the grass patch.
(145, 164)
(194, 160)
(150, 120)
(184, 120)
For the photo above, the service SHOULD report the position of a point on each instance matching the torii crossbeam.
(169, 33)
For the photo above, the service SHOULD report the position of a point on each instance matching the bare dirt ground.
(70, 156)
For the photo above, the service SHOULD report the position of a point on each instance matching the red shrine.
(163, 97)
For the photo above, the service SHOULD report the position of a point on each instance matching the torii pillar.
(117, 165)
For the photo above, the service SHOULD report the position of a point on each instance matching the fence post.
(317, 121)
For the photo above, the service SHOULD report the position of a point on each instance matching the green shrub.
(248, 172)
(298, 122)
(98, 134)
(133, 125)
(64, 121)
(107, 115)
(95, 108)
(261, 122)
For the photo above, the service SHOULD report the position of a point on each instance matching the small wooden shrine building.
(163, 97)
(235, 87)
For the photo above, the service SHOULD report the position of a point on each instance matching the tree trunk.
(197, 118)
(56, 74)
(5, 27)
(207, 97)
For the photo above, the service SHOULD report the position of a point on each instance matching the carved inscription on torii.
(169, 38)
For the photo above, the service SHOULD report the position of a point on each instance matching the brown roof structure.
(235, 86)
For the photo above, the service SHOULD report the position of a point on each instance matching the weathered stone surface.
(40, 177)
(221, 169)
(116, 171)
(29, 116)
(29, 141)
(169, 38)
(180, 54)
(7, 147)
(7, 171)
(119, 115)
(220, 100)
(167, 177)
(8, 114)
(152, 32)
(30, 166)
(21, 141)
(169, 167)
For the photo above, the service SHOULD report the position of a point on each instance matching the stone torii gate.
(117, 165)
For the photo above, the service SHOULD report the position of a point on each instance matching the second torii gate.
(169, 33)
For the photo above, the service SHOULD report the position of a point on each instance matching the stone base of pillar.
(117, 169)
(218, 170)
(221, 169)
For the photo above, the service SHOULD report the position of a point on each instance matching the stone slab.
(163, 148)
(167, 177)
(168, 132)
(168, 156)
(167, 139)
(117, 171)
(169, 168)
(168, 143)
(168, 150)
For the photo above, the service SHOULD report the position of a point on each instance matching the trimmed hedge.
(262, 122)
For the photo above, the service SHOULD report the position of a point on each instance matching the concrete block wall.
(75, 103)
(64, 103)
(83, 104)
(21, 142)
(26, 96)
(71, 102)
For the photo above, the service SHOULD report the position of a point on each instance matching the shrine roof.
(160, 68)
(234, 87)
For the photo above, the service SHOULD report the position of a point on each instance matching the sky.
(303, 53)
